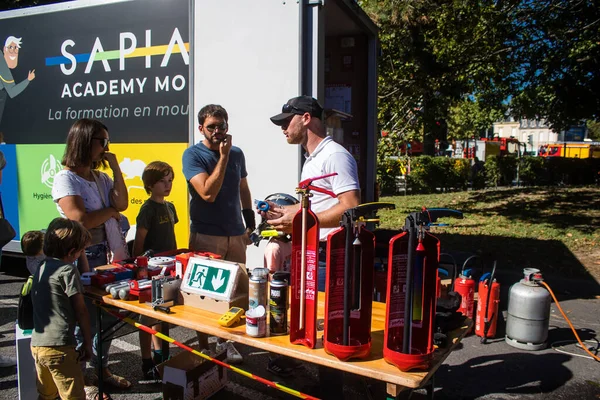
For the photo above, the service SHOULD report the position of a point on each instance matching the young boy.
(32, 244)
(155, 230)
(156, 220)
(58, 304)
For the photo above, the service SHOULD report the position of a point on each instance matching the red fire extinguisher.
(410, 307)
(487, 306)
(465, 286)
(304, 267)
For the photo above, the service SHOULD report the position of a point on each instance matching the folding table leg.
(397, 392)
(99, 369)
(164, 328)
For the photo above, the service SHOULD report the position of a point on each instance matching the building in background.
(536, 132)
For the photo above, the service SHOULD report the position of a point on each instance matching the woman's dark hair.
(78, 152)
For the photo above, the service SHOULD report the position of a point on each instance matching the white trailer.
(145, 68)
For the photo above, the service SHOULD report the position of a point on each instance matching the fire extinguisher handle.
(435, 213)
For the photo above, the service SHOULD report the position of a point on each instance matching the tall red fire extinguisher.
(304, 267)
(487, 306)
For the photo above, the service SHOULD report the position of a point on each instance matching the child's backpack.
(25, 313)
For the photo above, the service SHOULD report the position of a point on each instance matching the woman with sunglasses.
(91, 197)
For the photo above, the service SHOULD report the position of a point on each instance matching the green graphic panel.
(209, 278)
(36, 167)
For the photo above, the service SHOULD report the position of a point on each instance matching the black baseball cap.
(298, 106)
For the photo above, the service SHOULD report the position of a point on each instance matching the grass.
(553, 229)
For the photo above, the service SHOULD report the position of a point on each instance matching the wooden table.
(374, 367)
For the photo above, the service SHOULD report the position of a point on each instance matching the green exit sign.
(209, 277)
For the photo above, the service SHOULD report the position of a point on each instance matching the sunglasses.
(222, 127)
(290, 109)
(103, 141)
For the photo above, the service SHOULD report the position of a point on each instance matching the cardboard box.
(196, 288)
(212, 305)
(190, 377)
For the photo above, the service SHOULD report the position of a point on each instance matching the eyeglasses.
(288, 108)
(103, 141)
(12, 49)
(222, 127)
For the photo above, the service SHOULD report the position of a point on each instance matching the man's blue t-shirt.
(224, 216)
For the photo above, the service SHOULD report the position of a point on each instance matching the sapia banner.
(124, 63)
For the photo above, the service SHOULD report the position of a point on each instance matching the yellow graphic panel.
(133, 158)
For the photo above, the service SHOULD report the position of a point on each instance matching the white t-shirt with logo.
(330, 157)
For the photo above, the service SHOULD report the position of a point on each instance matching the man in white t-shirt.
(300, 120)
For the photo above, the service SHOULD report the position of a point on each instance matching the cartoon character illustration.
(7, 62)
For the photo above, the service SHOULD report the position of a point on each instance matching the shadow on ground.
(523, 374)
(572, 209)
(560, 268)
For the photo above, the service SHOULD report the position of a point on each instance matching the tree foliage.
(434, 54)
(593, 130)
(447, 67)
(557, 43)
(469, 118)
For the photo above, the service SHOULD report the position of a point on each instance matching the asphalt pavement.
(473, 371)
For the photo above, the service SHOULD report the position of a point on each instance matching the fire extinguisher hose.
(166, 338)
(595, 357)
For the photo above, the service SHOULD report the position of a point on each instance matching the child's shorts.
(58, 372)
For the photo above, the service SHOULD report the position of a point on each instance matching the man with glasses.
(220, 198)
(301, 122)
(8, 62)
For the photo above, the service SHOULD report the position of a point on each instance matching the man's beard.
(213, 139)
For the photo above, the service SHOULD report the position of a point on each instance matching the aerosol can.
(257, 288)
(528, 312)
(279, 303)
(349, 284)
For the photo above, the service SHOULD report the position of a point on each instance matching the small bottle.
(142, 267)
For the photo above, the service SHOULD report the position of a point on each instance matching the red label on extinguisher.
(310, 282)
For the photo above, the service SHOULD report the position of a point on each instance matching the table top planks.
(373, 367)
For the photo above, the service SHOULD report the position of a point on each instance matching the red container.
(143, 291)
(184, 258)
(359, 332)
(492, 311)
(465, 286)
(101, 279)
(425, 267)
